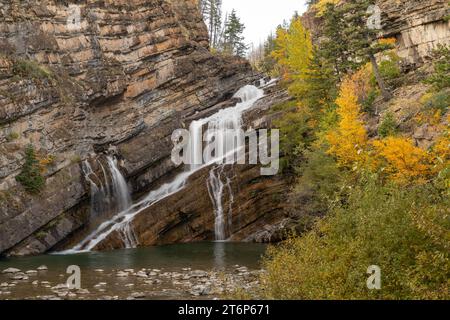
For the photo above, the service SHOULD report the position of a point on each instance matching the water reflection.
(205, 255)
(219, 254)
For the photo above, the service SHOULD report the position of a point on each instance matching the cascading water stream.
(220, 123)
(119, 186)
(120, 189)
(216, 188)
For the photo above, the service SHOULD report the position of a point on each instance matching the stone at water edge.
(141, 274)
(138, 295)
(122, 274)
(31, 272)
(61, 286)
(20, 276)
(200, 290)
(42, 268)
(242, 269)
(199, 273)
(83, 291)
(11, 270)
(154, 281)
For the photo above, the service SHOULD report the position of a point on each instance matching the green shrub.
(319, 180)
(438, 101)
(12, 136)
(41, 235)
(294, 136)
(30, 177)
(368, 103)
(285, 106)
(388, 126)
(30, 69)
(403, 231)
(389, 70)
(440, 79)
(75, 159)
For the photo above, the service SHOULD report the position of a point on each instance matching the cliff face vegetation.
(372, 155)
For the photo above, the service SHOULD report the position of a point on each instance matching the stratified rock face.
(419, 26)
(77, 77)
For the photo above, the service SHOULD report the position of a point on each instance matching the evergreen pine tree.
(268, 64)
(30, 176)
(233, 39)
(361, 39)
(334, 47)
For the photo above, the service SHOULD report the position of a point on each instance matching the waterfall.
(223, 127)
(215, 189)
(96, 197)
(119, 186)
(221, 122)
(110, 195)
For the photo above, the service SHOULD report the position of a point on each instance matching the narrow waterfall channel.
(109, 194)
(219, 124)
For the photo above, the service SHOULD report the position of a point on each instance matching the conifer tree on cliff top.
(233, 39)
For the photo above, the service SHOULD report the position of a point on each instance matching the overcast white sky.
(263, 16)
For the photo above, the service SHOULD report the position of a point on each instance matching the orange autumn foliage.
(387, 41)
(402, 161)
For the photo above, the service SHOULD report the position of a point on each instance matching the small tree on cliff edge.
(30, 176)
(233, 39)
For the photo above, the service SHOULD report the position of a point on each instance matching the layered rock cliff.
(418, 26)
(79, 77)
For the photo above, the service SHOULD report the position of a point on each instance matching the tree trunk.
(384, 92)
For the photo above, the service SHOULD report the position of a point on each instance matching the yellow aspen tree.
(348, 142)
(299, 49)
(293, 50)
(280, 53)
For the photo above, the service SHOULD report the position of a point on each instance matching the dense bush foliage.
(403, 231)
